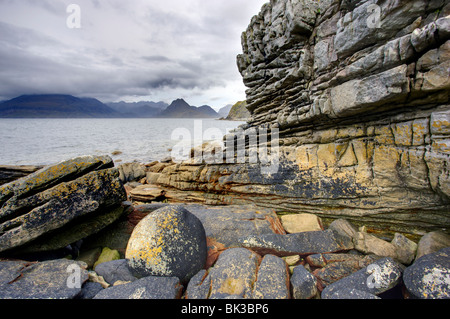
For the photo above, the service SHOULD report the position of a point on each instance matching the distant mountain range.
(55, 106)
(67, 106)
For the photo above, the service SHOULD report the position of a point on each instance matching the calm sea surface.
(48, 141)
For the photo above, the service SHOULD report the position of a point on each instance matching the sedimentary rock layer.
(359, 93)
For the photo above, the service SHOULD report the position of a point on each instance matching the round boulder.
(170, 242)
(429, 276)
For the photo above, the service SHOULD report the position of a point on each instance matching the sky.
(115, 50)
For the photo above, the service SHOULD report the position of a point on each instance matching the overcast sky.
(150, 50)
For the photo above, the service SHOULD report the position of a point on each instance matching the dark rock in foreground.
(379, 277)
(145, 288)
(56, 279)
(429, 276)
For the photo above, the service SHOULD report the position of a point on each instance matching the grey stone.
(233, 276)
(227, 224)
(429, 276)
(273, 279)
(351, 293)
(90, 290)
(381, 276)
(306, 243)
(197, 287)
(432, 242)
(304, 284)
(56, 279)
(405, 249)
(115, 270)
(145, 288)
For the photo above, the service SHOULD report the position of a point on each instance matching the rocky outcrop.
(60, 204)
(359, 93)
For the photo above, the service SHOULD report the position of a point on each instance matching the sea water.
(48, 141)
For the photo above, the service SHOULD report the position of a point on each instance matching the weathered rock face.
(40, 209)
(359, 91)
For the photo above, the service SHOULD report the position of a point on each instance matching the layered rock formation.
(60, 204)
(359, 92)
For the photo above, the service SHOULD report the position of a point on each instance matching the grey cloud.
(161, 49)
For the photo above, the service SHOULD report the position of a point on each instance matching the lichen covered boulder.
(429, 276)
(171, 242)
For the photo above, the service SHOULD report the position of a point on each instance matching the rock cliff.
(359, 93)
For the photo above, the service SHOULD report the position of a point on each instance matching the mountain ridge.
(69, 106)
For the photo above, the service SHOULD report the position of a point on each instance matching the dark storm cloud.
(141, 49)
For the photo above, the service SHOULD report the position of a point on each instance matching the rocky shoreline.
(234, 252)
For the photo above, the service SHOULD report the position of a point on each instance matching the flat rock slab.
(56, 279)
(227, 224)
(306, 243)
(429, 276)
(145, 288)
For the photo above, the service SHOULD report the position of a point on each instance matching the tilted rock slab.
(51, 198)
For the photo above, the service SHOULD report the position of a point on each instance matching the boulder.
(380, 276)
(405, 249)
(343, 227)
(306, 243)
(300, 223)
(304, 284)
(47, 201)
(90, 290)
(170, 242)
(273, 279)
(370, 244)
(432, 242)
(429, 276)
(145, 288)
(336, 270)
(234, 274)
(55, 279)
(115, 270)
(198, 287)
